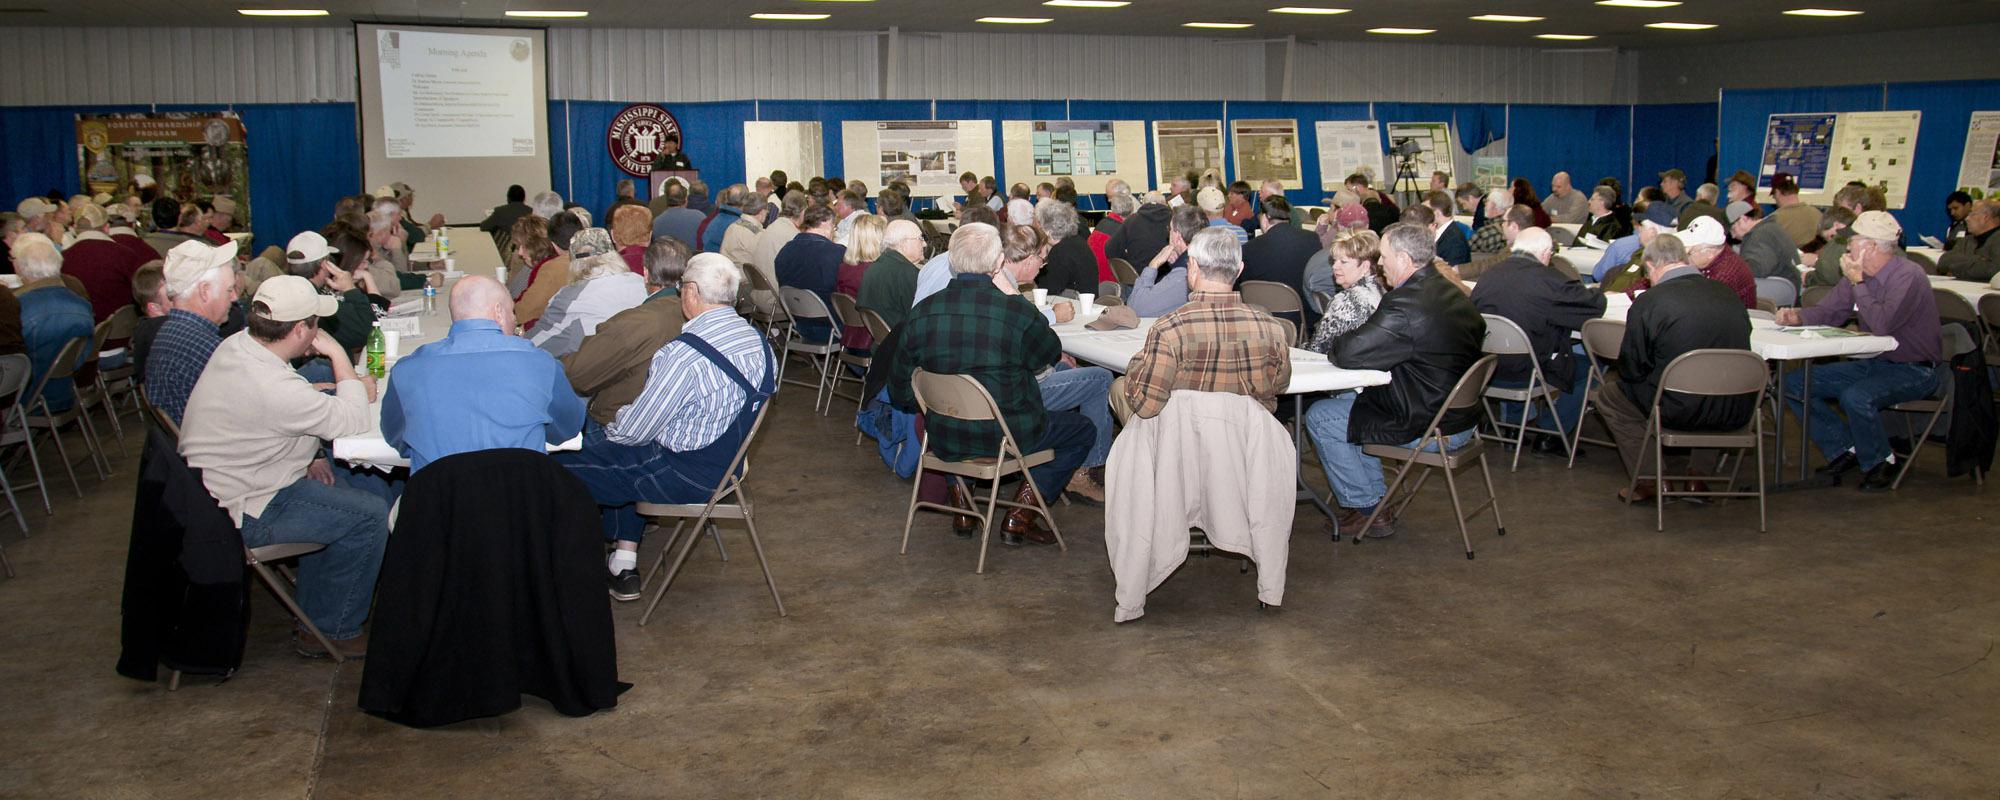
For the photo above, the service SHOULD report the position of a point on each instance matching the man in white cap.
(221, 219)
(200, 284)
(40, 215)
(309, 256)
(1708, 250)
(1211, 201)
(253, 427)
(1890, 296)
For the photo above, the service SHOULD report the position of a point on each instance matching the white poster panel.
(1267, 149)
(1186, 145)
(1980, 167)
(795, 147)
(1436, 151)
(928, 154)
(1347, 147)
(1875, 148)
(1088, 152)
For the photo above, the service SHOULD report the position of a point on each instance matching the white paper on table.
(405, 326)
(1932, 241)
(1591, 241)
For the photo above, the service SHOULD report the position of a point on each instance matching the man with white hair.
(889, 287)
(1550, 307)
(51, 314)
(610, 366)
(1565, 204)
(739, 240)
(546, 204)
(103, 266)
(1118, 197)
(1426, 334)
(672, 445)
(974, 327)
(1489, 238)
(200, 284)
(1213, 343)
(1211, 201)
(766, 210)
(479, 388)
(1890, 296)
(1704, 205)
(847, 207)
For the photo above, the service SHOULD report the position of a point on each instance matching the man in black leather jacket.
(1426, 334)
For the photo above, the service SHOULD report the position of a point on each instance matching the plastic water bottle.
(377, 351)
(430, 298)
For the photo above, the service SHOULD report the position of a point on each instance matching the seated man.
(1975, 256)
(610, 368)
(1214, 343)
(1891, 297)
(1549, 306)
(811, 261)
(1489, 238)
(1448, 235)
(1159, 290)
(889, 286)
(1623, 266)
(1708, 250)
(149, 295)
(1683, 311)
(1426, 334)
(254, 428)
(1768, 248)
(673, 443)
(972, 327)
(51, 315)
(200, 285)
(479, 388)
(1068, 387)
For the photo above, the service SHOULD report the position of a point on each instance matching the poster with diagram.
(1184, 146)
(1800, 145)
(1074, 148)
(1347, 147)
(1267, 149)
(1435, 151)
(1876, 148)
(1091, 153)
(929, 154)
(1979, 169)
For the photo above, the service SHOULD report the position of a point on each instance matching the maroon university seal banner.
(635, 137)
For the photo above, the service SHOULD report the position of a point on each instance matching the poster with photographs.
(1267, 149)
(190, 155)
(1979, 169)
(1348, 147)
(1435, 149)
(923, 154)
(1876, 148)
(1184, 146)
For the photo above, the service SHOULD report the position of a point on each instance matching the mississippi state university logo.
(636, 136)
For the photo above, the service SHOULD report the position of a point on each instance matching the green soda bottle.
(377, 351)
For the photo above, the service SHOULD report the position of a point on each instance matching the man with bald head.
(1565, 204)
(480, 388)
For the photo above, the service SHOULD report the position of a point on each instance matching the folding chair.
(1953, 307)
(1122, 271)
(1322, 301)
(89, 386)
(1768, 306)
(1814, 294)
(1429, 452)
(14, 370)
(961, 397)
(1110, 289)
(1504, 338)
(1602, 338)
(1989, 314)
(845, 309)
(1291, 330)
(1710, 372)
(878, 330)
(36, 412)
(702, 514)
(801, 304)
(774, 321)
(120, 382)
(1957, 342)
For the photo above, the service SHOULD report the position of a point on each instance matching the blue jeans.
(619, 476)
(1569, 404)
(1356, 477)
(337, 584)
(1087, 391)
(1071, 436)
(1862, 388)
(316, 371)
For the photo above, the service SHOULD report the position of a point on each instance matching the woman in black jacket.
(1070, 265)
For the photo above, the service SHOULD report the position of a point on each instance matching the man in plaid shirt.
(973, 328)
(1215, 343)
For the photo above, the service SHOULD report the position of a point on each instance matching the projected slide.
(453, 95)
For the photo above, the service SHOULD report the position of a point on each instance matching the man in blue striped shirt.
(673, 444)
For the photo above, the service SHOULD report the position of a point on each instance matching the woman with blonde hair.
(632, 233)
(864, 245)
(1357, 268)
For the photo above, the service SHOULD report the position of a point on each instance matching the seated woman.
(864, 245)
(600, 286)
(1356, 255)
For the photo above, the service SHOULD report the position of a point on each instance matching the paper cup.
(500, 274)
(1041, 297)
(392, 344)
(1084, 302)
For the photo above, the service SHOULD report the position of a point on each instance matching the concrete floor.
(1846, 653)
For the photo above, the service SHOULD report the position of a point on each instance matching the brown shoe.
(1023, 525)
(1643, 492)
(353, 649)
(1085, 489)
(1352, 519)
(963, 525)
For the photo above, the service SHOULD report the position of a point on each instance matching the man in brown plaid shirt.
(1215, 343)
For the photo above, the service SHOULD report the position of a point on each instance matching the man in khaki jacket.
(610, 367)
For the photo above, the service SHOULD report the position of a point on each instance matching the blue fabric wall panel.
(41, 148)
(1674, 136)
(1588, 142)
(580, 167)
(1947, 108)
(1746, 112)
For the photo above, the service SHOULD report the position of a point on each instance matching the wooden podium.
(660, 176)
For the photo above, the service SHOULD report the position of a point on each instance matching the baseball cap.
(1660, 215)
(384, 191)
(1675, 174)
(290, 298)
(308, 247)
(1877, 225)
(1115, 318)
(1352, 215)
(1209, 199)
(89, 215)
(142, 180)
(34, 207)
(590, 242)
(401, 188)
(190, 260)
(1702, 232)
(101, 198)
(223, 203)
(1736, 211)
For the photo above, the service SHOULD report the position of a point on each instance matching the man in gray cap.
(1774, 260)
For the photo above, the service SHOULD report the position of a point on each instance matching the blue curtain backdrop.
(1674, 136)
(1947, 108)
(1588, 142)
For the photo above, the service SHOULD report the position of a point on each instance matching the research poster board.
(1186, 145)
(1826, 151)
(1980, 167)
(794, 147)
(927, 154)
(1089, 152)
(1267, 149)
(188, 154)
(1347, 147)
(1436, 154)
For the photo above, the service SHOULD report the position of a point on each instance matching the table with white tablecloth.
(1972, 291)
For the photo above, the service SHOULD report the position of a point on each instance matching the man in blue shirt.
(811, 261)
(200, 284)
(1658, 218)
(51, 314)
(480, 388)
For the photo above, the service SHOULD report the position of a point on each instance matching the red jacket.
(105, 268)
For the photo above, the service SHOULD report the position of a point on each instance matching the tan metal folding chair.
(1956, 343)
(1953, 306)
(1814, 294)
(1989, 315)
(1322, 301)
(1712, 372)
(120, 382)
(775, 322)
(1602, 339)
(89, 385)
(1110, 289)
(1504, 338)
(719, 506)
(878, 330)
(38, 414)
(849, 313)
(962, 397)
(1430, 453)
(801, 304)
(14, 373)
(1122, 271)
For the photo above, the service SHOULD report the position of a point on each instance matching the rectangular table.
(472, 252)
(1972, 291)
(1582, 259)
